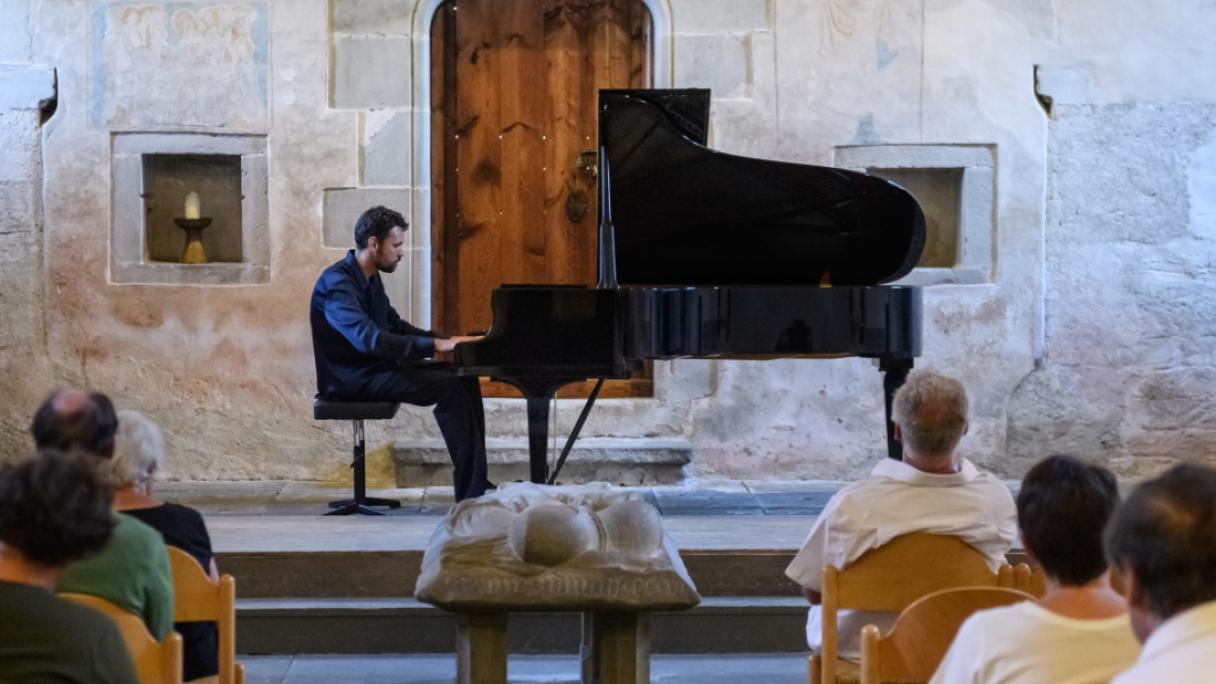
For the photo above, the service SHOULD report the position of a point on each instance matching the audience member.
(931, 490)
(1079, 631)
(139, 452)
(133, 569)
(1162, 541)
(53, 510)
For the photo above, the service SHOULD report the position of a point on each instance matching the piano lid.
(687, 215)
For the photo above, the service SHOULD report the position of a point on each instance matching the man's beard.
(390, 267)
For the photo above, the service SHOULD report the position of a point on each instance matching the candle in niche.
(192, 205)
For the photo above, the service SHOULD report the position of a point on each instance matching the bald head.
(76, 419)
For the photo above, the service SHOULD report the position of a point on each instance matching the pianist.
(364, 351)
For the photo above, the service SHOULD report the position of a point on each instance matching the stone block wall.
(25, 91)
(1078, 316)
(1130, 368)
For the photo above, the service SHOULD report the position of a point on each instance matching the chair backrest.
(155, 662)
(892, 576)
(197, 599)
(1033, 581)
(921, 636)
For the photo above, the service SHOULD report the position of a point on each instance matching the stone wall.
(1083, 323)
(25, 91)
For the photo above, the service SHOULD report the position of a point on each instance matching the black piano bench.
(356, 412)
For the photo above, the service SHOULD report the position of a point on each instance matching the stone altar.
(589, 548)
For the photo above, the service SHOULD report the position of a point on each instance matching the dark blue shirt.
(356, 334)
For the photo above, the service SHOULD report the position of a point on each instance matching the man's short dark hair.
(1063, 507)
(55, 507)
(377, 222)
(89, 427)
(1165, 533)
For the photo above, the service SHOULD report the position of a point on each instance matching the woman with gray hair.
(139, 452)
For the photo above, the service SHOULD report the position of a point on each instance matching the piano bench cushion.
(337, 409)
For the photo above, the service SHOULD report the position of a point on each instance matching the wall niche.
(956, 187)
(215, 181)
(189, 209)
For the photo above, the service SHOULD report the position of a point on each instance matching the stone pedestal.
(527, 547)
(481, 648)
(615, 648)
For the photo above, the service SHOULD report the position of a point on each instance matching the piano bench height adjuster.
(361, 502)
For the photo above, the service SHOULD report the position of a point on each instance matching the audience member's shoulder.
(133, 529)
(985, 477)
(83, 620)
(852, 489)
(183, 512)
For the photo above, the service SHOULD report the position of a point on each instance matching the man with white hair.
(931, 490)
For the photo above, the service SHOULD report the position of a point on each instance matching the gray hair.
(931, 412)
(139, 449)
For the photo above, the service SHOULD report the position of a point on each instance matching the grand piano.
(704, 254)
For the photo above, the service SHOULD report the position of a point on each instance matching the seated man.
(931, 490)
(1163, 543)
(133, 569)
(53, 510)
(1079, 631)
(360, 344)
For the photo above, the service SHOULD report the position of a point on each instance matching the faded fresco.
(179, 64)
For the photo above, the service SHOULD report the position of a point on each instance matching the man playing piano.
(364, 351)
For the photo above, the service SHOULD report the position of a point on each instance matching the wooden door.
(513, 99)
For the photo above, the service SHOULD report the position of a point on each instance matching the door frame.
(418, 297)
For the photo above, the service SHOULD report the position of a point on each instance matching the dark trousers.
(458, 410)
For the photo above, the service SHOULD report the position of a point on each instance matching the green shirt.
(132, 571)
(47, 639)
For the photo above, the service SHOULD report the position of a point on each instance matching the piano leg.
(538, 392)
(895, 371)
(538, 435)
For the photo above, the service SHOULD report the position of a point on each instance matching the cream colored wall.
(1095, 332)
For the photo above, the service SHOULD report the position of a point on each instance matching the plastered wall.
(1092, 328)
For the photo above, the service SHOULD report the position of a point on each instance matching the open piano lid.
(687, 215)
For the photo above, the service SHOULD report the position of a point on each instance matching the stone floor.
(707, 497)
(441, 669)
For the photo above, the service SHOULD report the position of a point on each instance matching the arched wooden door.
(514, 88)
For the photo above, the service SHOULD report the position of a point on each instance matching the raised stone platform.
(629, 462)
(313, 584)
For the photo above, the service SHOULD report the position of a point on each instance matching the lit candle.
(192, 205)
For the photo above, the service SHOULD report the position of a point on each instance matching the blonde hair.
(931, 412)
(139, 450)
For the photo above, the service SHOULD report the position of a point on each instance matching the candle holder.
(194, 252)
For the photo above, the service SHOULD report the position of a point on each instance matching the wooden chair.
(889, 578)
(1030, 580)
(197, 599)
(155, 662)
(914, 648)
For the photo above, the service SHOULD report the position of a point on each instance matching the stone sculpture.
(585, 547)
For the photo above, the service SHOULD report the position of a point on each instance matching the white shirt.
(1027, 644)
(1181, 650)
(895, 500)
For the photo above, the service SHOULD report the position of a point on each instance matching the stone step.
(624, 461)
(728, 624)
(309, 575)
